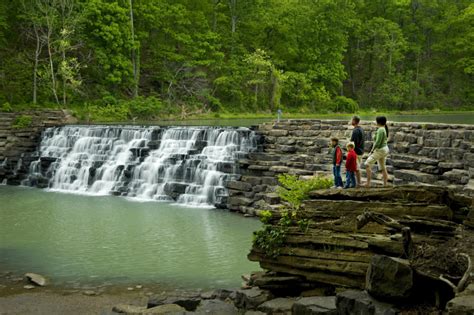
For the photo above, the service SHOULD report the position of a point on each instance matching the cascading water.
(188, 165)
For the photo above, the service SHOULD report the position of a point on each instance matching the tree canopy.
(182, 57)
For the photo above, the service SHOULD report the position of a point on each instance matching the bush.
(294, 190)
(144, 107)
(272, 237)
(6, 107)
(109, 113)
(342, 104)
(23, 121)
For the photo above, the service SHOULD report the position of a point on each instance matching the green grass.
(122, 115)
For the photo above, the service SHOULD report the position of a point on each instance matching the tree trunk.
(233, 15)
(35, 68)
(134, 52)
(51, 65)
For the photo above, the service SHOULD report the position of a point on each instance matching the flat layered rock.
(405, 193)
(336, 208)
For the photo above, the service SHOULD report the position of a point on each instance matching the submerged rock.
(36, 279)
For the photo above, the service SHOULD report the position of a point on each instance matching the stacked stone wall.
(424, 153)
(18, 142)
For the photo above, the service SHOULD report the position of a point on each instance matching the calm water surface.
(446, 118)
(73, 238)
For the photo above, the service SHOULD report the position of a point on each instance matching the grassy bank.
(152, 110)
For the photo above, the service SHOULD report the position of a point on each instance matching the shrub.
(272, 237)
(23, 121)
(294, 190)
(342, 104)
(6, 107)
(109, 113)
(144, 107)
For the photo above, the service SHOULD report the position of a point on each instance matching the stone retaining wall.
(422, 153)
(18, 142)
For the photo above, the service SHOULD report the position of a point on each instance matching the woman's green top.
(380, 138)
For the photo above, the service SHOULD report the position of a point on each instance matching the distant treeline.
(138, 58)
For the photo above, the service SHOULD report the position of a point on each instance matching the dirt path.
(47, 302)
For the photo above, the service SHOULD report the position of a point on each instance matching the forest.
(129, 59)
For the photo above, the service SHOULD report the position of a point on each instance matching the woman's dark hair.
(382, 120)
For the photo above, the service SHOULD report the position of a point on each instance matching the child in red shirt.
(351, 166)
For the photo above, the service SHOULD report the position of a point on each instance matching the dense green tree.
(142, 58)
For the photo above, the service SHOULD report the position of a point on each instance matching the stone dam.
(234, 168)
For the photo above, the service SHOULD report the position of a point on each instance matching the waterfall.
(187, 165)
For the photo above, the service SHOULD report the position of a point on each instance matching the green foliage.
(6, 107)
(265, 216)
(272, 237)
(145, 108)
(205, 57)
(294, 190)
(108, 113)
(344, 104)
(22, 121)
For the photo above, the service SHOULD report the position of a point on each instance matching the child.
(351, 166)
(336, 153)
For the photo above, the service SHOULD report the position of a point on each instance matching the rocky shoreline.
(248, 300)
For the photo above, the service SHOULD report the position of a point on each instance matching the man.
(358, 138)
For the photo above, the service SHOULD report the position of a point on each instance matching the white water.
(188, 165)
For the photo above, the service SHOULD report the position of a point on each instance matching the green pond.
(88, 239)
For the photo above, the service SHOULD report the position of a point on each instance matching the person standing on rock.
(336, 153)
(351, 166)
(379, 151)
(358, 139)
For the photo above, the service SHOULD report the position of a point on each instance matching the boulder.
(463, 303)
(252, 298)
(220, 294)
(354, 302)
(238, 185)
(128, 309)
(389, 278)
(415, 176)
(239, 201)
(457, 176)
(166, 309)
(187, 300)
(315, 305)
(36, 279)
(277, 306)
(216, 307)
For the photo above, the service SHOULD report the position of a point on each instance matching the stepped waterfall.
(187, 165)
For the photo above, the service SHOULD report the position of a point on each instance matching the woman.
(379, 151)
